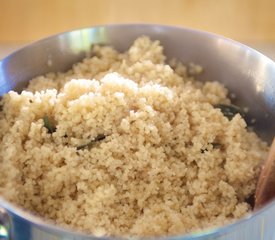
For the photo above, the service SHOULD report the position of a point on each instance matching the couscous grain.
(124, 144)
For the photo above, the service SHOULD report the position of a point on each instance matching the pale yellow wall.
(244, 20)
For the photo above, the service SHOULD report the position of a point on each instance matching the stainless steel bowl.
(246, 72)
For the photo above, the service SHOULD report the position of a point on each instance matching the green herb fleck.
(92, 142)
(204, 150)
(216, 145)
(48, 124)
(229, 111)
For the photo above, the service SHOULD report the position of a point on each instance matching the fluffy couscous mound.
(125, 145)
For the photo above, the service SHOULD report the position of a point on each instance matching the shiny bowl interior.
(245, 72)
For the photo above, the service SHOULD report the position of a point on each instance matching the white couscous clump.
(124, 144)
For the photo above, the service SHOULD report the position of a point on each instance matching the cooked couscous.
(124, 144)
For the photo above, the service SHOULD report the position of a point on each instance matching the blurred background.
(249, 21)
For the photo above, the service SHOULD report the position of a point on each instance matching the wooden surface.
(243, 20)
